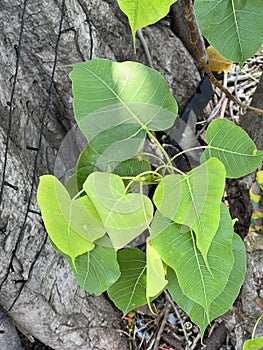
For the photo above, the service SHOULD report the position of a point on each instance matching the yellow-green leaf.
(156, 281)
(194, 200)
(124, 215)
(142, 13)
(253, 344)
(70, 232)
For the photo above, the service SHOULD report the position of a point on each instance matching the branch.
(193, 30)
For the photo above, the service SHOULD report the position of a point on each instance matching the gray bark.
(9, 338)
(51, 306)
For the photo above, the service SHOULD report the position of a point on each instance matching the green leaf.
(124, 215)
(224, 301)
(132, 167)
(116, 104)
(156, 281)
(96, 270)
(253, 344)
(90, 161)
(71, 224)
(194, 200)
(177, 249)
(233, 147)
(129, 291)
(143, 13)
(233, 27)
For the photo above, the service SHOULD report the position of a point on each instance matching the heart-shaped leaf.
(178, 249)
(233, 27)
(129, 105)
(124, 215)
(156, 281)
(224, 301)
(96, 270)
(232, 145)
(71, 224)
(143, 13)
(129, 291)
(194, 200)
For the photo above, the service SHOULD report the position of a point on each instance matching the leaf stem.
(155, 140)
(153, 156)
(138, 177)
(78, 194)
(174, 168)
(189, 150)
(255, 327)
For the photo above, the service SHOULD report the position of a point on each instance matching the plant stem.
(189, 150)
(77, 195)
(153, 156)
(174, 168)
(139, 178)
(255, 327)
(169, 162)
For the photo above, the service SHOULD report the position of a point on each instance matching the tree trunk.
(36, 113)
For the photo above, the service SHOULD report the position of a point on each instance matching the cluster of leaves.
(192, 249)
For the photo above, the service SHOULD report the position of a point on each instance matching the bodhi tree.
(192, 250)
(105, 203)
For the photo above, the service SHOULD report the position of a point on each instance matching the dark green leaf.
(129, 291)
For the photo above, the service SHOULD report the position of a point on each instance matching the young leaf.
(129, 104)
(67, 221)
(124, 215)
(233, 147)
(143, 13)
(233, 27)
(194, 200)
(224, 301)
(132, 167)
(96, 270)
(253, 344)
(129, 291)
(177, 249)
(156, 281)
(90, 161)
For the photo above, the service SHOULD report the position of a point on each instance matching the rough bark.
(9, 338)
(51, 306)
